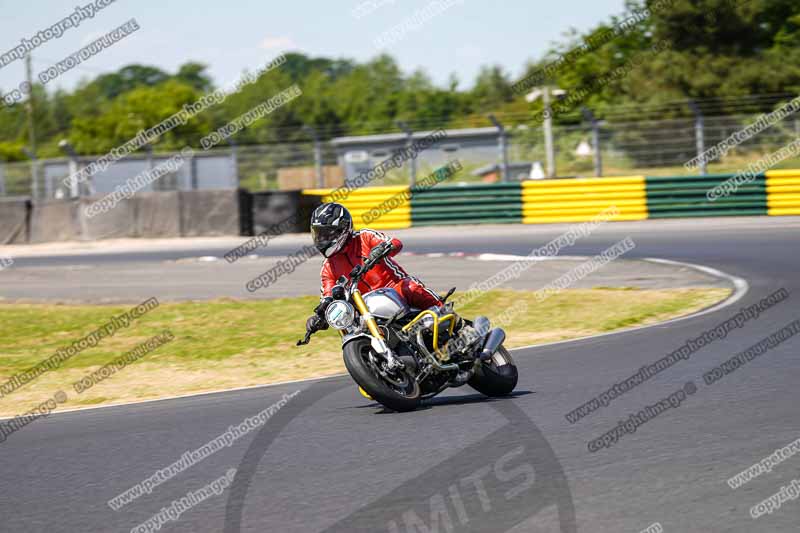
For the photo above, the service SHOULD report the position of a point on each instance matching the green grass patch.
(228, 343)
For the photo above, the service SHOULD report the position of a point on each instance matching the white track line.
(190, 395)
(741, 288)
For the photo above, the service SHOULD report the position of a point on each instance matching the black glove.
(323, 306)
(357, 271)
(316, 323)
(379, 251)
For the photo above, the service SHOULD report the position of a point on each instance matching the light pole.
(546, 92)
(598, 158)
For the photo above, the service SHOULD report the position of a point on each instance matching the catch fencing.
(620, 145)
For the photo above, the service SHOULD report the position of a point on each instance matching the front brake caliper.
(392, 363)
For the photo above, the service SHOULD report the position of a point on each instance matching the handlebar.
(359, 270)
(355, 276)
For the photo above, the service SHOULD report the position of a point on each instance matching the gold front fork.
(372, 325)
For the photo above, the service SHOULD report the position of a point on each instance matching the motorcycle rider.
(343, 248)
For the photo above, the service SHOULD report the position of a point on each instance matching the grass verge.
(226, 343)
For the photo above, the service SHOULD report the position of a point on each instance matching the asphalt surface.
(330, 461)
(193, 279)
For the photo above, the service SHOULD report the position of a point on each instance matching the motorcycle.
(400, 356)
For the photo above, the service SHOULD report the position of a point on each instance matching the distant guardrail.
(237, 212)
(773, 193)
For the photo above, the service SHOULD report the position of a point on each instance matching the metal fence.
(43, 179)
(604, 148)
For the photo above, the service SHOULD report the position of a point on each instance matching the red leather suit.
(386, 273)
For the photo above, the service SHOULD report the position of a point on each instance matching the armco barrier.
(783, 192)
(466, 204)
(158, 214)
(360, 201)
(116, 223)
(153, 214)
(14, 220)
(685, 196)
(579, 200)
(55, 220)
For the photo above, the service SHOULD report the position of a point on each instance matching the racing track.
(330, 461)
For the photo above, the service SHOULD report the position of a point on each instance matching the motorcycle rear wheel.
(496, 380)
(401, 394)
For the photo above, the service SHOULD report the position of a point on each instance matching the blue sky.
(239, 35)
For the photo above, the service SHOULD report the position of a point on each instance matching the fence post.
(75, 190)
(72, 155)
(235, 160)
(193, 172)
(502, 146)
(409, 143)
(318, 163)
(699, 133)
(2, 178)
(548, 134)
(598, 156)
(150, 163)
(34, 179)
(317, 155)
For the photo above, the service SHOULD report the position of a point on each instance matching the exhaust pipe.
(493, 341)
(481, 325)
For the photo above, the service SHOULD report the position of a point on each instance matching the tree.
(194, 75)
(492, 88)
(139, 109)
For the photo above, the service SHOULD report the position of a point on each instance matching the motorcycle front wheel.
(398, 392)
(496, 377)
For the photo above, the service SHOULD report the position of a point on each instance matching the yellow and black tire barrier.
(580, 200)
(373, 207)
(775, 193)
(783, 192)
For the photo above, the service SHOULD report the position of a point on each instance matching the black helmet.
(331, 226)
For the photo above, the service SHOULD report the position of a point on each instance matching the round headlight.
(340, 315)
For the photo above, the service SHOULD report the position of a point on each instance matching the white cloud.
(282, 43)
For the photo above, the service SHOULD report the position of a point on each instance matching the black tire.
(405, 397)
(493, 380)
